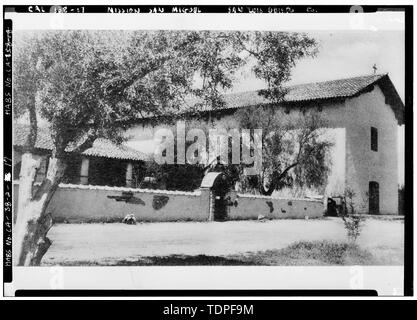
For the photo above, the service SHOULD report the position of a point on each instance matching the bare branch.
(88, 143)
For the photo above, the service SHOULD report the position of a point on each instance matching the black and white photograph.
(180, 147)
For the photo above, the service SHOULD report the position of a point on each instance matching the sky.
(344, 54)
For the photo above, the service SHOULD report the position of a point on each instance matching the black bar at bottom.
(159, 293)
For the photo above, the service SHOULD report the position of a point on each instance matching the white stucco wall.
(364, 165)
(353, 163)
(337, 157)
(335, 133)
(250, 207)
(86, 203)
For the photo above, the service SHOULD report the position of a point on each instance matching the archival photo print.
(208, 147)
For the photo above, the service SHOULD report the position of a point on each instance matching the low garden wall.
(244, 206)
(86, 203)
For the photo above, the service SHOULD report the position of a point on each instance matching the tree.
(293, 149)
(275, 54)
(90, 85)
(352, 221)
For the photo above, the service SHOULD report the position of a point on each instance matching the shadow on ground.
(185, 260)
(303, 253)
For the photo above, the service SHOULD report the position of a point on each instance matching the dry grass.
(276, 242)
(301, 253)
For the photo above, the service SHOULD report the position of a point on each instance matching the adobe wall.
(352, 162)
(86, 203)
(363, 164)
(334, 131)
(251, 206)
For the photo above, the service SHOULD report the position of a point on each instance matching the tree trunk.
(264, 191)
(261, 185)
(33, 221)
(273, 183)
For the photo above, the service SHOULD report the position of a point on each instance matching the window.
(374, 139)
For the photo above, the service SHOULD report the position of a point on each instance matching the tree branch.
(88, 143)
(284, 173)
(255, 54)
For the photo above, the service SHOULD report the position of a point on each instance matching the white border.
(388, 281)
(209, 21)
(302, 275)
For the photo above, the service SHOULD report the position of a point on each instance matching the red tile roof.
(319, 91)
(100, 148)
(307, 92)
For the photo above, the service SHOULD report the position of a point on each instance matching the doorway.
(219, 191)
(219, 188)
(373, 197)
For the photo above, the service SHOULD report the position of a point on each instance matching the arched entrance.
(219, 189)
(373, 197)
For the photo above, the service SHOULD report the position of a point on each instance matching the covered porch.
(105, 163)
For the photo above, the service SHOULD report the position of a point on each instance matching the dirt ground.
(106, 243)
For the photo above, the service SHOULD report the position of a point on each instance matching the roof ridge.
(316, 82)
(342, 79)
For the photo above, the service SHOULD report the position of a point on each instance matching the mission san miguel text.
(108, 181)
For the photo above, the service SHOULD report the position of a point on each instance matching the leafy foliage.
(353, 221)
(184, 177)
(89, 84)
(276, 53)
(293, 149)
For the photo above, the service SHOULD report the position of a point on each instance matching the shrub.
(129, 219)
(352, 221)
(326, 252)
(353, 225)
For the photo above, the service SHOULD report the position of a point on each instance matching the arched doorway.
(373, 197)
(219, 189)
